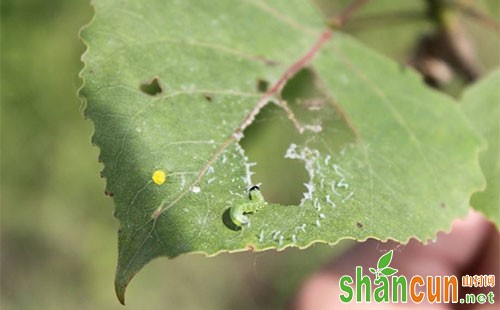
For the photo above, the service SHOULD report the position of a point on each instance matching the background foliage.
(57, 234)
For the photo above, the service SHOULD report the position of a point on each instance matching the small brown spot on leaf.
(110, 194)
(262, 85)
(207, 97)
(359, 225)
(151, 87)
(442, 205)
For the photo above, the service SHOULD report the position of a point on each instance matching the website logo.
(389, 287)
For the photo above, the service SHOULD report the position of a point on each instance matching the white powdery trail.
(248, 166)
(309, 157)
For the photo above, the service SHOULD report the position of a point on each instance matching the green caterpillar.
(238, 213)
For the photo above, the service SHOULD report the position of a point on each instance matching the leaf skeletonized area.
(207, 59)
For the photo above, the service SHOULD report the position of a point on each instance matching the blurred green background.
(58, 236)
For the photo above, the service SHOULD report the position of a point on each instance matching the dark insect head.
(253, 188)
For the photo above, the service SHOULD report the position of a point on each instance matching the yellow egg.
(159, 177)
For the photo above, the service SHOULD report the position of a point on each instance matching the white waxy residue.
(196, 189)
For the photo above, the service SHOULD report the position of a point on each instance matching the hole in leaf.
(226, 219)
(151, 87)
(312, 106)
(265, 142)
(262, 85)
(268, 138)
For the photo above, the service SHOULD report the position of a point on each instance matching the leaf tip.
(120, 288)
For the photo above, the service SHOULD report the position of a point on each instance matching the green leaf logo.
(384, 260)
(388, 271)
(382, 266)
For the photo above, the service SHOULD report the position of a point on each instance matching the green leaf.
(481, 104)
(373, 270)
(384, 260)
(171, 85)
(388, 271)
